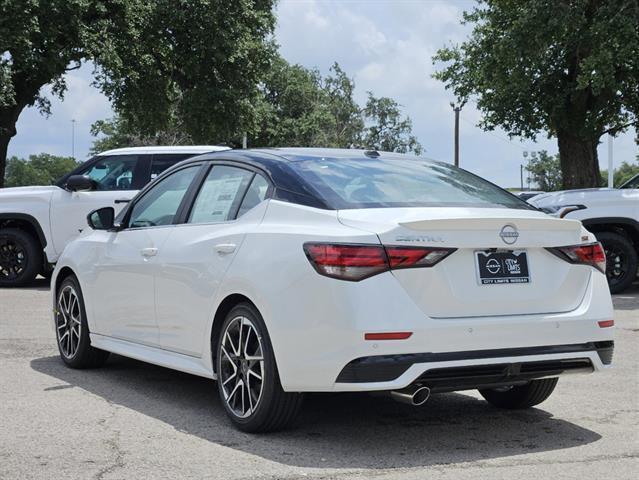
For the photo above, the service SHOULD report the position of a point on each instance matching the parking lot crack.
(113, 445)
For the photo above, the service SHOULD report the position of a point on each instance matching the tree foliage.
(295, 106)
(386, 129)
(117, 132)
(154, 59)
(545, 171)
(41, 169)
(623, 173)
(569, 68)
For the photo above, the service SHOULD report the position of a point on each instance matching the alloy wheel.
(13, 259)
(616, 268)
(241, 367)
(68, 321)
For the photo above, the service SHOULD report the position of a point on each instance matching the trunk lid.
(452, 288)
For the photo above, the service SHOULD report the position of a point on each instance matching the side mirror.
(80, 183)
(102, 218)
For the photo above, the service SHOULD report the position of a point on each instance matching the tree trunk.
(579, 161)
(8, 120)
(4, 144)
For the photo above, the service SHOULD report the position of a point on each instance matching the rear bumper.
(506, 366)
(324, 349)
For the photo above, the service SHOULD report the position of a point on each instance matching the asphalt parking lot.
(132, 420)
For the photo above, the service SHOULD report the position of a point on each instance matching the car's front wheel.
(247, 377)
(72, 330)
(520, 396)
(20, 258)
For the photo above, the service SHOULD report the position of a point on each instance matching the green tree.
(41, 169)
(299, 107)
(623, 173)
(117, 132)
(566, 67)
(388, 131)
(545, 171)
(200, 58)
(295, 106)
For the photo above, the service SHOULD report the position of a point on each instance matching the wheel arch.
(625, 226)
(62, 275)
(225, 306)
(26, 222)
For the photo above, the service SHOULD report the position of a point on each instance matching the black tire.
(21, 258)
(83, 355)
(521, 396)
(621, 260)
(275, 409)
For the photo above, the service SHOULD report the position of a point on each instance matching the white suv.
(612, 214)
(36, 223)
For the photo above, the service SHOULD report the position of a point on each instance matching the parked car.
(284, 271)
(612, 214)
(528, 194)
(36, 223)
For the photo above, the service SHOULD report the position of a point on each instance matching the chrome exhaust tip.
(412, 395)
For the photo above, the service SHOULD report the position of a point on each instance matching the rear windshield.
(378, 183)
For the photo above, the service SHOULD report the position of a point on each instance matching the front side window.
(379, 183)
(113, 173)
(220, 195)
(160, 204)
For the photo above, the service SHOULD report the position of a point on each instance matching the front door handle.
(225, 248)
(149, 252)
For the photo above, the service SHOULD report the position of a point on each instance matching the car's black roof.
(275, 162)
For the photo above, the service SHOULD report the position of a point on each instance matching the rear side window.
(254, 195)
(161, 162)
(113, 173)
(220, 195)
(378, 183)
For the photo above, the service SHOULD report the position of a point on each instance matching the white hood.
(18, 192)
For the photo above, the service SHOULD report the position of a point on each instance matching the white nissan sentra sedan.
(283, 271)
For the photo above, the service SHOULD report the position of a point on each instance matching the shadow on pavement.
(39, 284)
(334, 430)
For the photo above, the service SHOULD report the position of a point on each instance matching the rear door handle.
(225, 248)
(149, 252)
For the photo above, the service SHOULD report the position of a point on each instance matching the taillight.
(591, 254)
(357, 262)
(411, 257)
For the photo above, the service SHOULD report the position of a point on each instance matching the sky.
(386, 46)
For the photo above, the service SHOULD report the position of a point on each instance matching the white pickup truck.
(612, 214)
(36, 223)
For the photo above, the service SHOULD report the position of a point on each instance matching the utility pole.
(521, 176)
(456, 109)
(73, 138)
(611, 168)
(244, 141)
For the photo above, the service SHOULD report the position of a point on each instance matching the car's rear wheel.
(520, 396)
(72, 330)
(621, 260)
(247, 376)
(20, 258)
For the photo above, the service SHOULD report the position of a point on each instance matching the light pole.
(73, 138)
(456, 109)
(611, 169)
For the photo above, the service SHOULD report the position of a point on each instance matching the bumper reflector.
(388, 336)
(606, 323)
